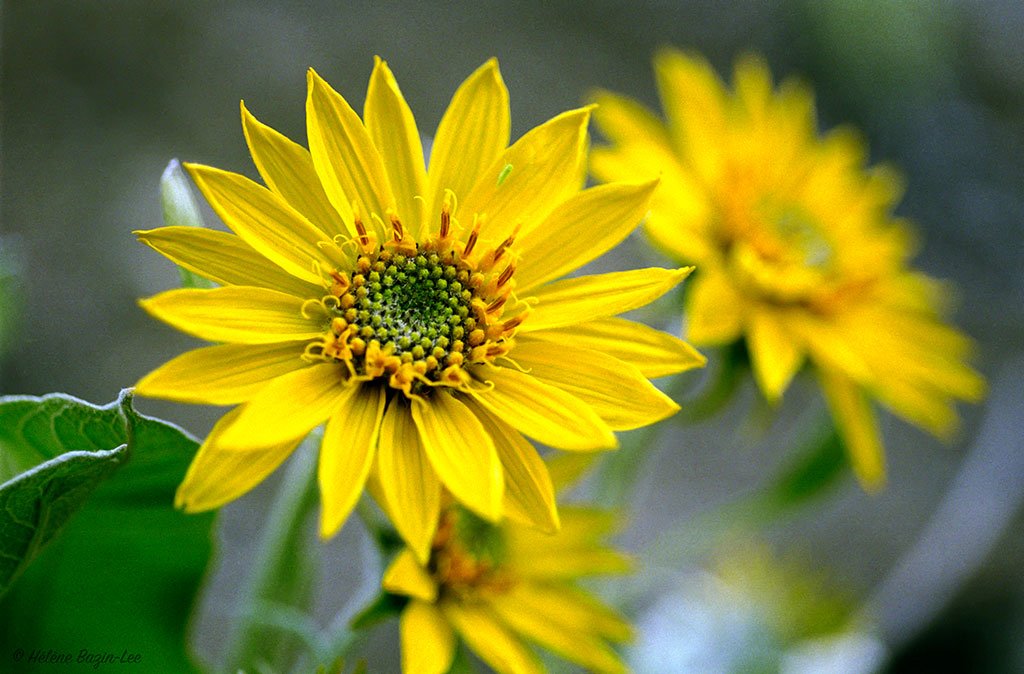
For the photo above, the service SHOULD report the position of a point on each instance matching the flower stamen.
(414, 315)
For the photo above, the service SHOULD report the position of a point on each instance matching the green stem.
(276, 574)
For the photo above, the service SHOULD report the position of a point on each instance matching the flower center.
(417, 314)
(467, 555)
(801, 234)
(779, 251)
(418, 305)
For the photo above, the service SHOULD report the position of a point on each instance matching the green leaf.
(181, 209)
(122, 573)
(35, 505)
(816, 468)
(54, 452)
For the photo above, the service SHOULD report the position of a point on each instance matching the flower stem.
(282, 566)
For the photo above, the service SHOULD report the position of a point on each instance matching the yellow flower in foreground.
(412, 309)
(796, 247)
(499, 586)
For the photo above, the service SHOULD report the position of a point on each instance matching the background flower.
(799, 254)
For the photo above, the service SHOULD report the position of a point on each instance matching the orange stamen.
(506, 275)
(478, 221)
(396, 226)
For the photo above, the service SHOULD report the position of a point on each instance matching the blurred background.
(98, 95)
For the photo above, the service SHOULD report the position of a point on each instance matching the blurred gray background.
(98, 95)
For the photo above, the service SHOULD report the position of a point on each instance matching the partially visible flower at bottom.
(498, 587)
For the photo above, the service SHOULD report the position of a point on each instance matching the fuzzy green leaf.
(122, 571)
(54, 452)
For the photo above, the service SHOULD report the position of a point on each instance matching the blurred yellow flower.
(352, 293)
(796, 247)
(501, 586)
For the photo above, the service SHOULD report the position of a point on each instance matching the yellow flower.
(796, 247)
(499, 586)
(412, 309)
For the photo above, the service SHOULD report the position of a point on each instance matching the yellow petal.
(921, 405)
(681, 210)
(287, 169)
(346, 454)
(624, 120)
(568, 468)
(240, 314)
(544, 625)
(542, 411)
(529, 494)
(584, 298)
(407, 576)
(617, 391)
(461, 452)
(265, 221)
(694, 101)
(775, 353)
(428, 642)
(580, 229)
(392, 129)
(856, 422)
(753, 84)
(569, 565)
(223, 258)
(473, 131)
(916, 327)
(571, 608)
(921, 349)
(583, 529)
(289, 407)
(714, 310)
(653, 352)
(680, 221)
(410, 487)
(221, 375)
(831, 345)
(577, 550)
(491, 640)
(348, 164)
(217, 476)
(547, 167)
